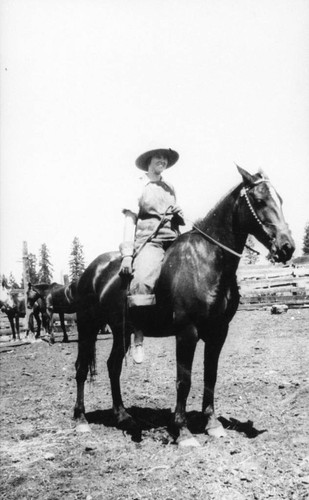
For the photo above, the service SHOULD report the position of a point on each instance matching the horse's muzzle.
(282, 250)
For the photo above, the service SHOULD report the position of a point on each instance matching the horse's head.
(6, 298)
(262, 209)
(33, 294)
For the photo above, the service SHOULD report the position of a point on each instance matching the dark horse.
(53, 298)
(14, 308)
(197, 296)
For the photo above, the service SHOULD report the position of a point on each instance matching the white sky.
(86, 86)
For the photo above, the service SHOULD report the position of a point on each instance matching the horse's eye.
(260, 202)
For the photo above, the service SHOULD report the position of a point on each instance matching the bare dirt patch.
(262, 398)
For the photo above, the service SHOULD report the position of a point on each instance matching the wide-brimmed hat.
(172, 157)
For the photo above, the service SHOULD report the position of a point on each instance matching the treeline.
(40, 268)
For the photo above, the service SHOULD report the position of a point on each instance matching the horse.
(13, 307)
(54, 298)
(196, 298)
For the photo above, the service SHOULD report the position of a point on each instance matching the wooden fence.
(264, 286)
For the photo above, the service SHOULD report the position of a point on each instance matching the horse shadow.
(160, 422)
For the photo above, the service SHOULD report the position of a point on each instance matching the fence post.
(26, 279)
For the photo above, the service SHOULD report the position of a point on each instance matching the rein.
(215, 241)
(153, 234)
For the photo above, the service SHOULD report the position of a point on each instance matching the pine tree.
(249, 256)
(306, 240)
(32, 263)
(4, 281)
(12, 283)
(45, 267)
(77, 260)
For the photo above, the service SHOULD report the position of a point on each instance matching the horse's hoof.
(83, 427)
(216, 432)
(189, 442)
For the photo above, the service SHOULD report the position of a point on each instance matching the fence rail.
(264, 286)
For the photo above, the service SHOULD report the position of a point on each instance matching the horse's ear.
(247, 178)
(262, 173)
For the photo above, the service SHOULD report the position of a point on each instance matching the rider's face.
(158, 164)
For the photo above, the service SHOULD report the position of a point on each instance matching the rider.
(151, 225)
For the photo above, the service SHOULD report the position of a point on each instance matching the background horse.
(13, 307)
(53, 298)
(197, 296)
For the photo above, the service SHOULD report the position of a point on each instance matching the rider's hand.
(178, 215)
(126, 266)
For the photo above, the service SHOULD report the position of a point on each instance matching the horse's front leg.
(30, 327)
(114, 365)
(213, 345)
(39, 323)
(17, 326)
(50, 324)
(11, 320)
(62, 322)
(185, 348)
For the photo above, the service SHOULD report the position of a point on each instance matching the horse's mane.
(202, 223)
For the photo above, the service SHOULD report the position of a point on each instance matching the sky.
(87, 86)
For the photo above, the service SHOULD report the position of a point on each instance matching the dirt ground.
(262, 398)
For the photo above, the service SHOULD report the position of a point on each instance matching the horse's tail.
(87, 336)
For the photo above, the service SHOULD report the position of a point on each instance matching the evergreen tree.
(45, 268)
(306, 240)
(249, 256)
(4, 281)
(32, 263)
(12, 283)
(77, 260)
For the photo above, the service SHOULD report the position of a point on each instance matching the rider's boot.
(137, 348)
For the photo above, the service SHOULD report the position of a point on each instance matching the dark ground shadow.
(242, 427)
(151, 419)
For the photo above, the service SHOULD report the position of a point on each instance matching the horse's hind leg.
(185, 347)
(213, 346)
(114, 365)
(85, 359)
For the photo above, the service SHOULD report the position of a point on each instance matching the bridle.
(244, 193)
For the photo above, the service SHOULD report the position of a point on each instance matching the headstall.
(244, 193)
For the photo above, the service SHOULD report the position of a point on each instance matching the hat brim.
(172, 157)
